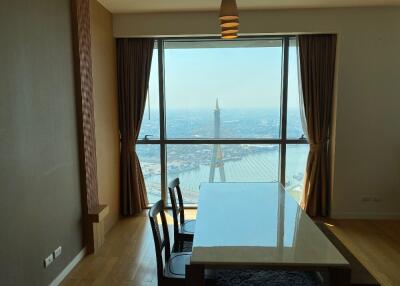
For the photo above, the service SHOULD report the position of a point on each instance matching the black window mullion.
(284, 99)
(163, 159)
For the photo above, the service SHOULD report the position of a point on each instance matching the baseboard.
(69, 267)
(365, 215)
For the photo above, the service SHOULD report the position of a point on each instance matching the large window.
(222, 111)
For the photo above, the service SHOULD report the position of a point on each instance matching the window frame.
(282, 141)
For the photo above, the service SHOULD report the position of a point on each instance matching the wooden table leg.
(195, 275)
(339, 276)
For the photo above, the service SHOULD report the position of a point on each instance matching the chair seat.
(176, 267)
(188, 227)
(186, 232)
(187, 246)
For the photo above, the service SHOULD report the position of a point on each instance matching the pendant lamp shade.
(229, 36)
(228, 10)
(229, 23)
(229, 19)
(227, 31)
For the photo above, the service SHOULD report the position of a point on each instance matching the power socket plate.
(57, 252)
(48, 260)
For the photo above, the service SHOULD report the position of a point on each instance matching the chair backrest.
(178, 210)
(177, 205)
(161, 242)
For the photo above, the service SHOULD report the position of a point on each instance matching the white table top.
(257, 224)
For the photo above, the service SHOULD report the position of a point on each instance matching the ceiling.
(147, 6)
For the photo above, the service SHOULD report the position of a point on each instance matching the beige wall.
(367, 149)
(105, 109)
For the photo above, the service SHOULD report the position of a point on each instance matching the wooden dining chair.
(183, 229)
(171, 271)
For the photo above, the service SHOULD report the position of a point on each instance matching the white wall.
(367, 154)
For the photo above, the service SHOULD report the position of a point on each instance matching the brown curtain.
(317, 68)
(133, 68)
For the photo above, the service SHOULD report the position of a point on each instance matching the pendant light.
(229, 19)
(229, 33)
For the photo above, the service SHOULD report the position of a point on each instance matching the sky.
(246, 77)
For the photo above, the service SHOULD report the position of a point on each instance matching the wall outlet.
(48, 260)
(57, 252)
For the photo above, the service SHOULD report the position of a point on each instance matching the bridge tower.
(217, 156)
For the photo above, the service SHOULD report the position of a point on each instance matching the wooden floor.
(128, 258)
(375, 243)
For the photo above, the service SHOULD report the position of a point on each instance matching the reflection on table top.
(257, 224)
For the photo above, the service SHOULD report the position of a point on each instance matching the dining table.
(261, 226)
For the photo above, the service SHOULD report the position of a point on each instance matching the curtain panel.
(317, 55)
(133, 71)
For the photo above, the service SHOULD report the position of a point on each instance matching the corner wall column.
(92, 211)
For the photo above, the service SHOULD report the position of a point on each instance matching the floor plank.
(127, 257)
(375, 243)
